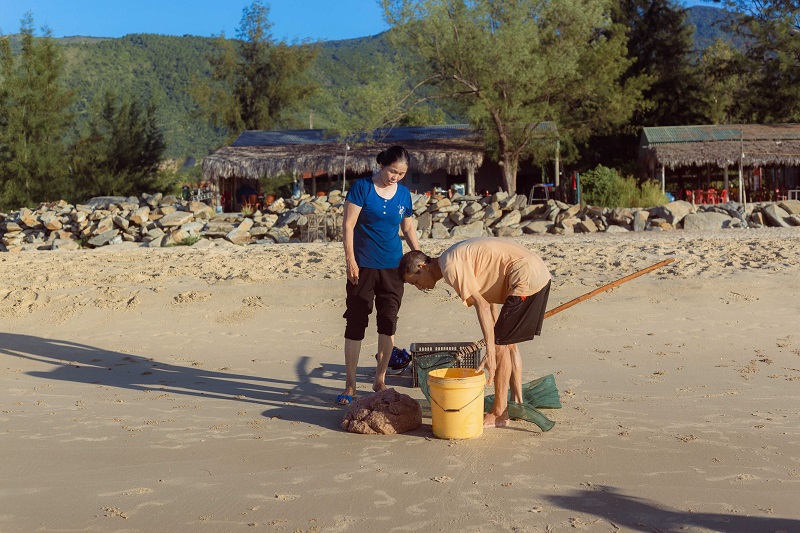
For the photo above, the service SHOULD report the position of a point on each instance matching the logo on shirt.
(401, 210)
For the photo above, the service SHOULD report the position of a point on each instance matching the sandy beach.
(184, 389)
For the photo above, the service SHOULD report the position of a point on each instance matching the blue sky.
(292, 19)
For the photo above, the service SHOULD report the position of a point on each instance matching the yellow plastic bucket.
(456, 402)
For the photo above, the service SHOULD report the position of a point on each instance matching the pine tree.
(35, 118)
(258, 82)
(120, 152)
(771, 59)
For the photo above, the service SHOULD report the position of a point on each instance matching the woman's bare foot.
(493, 421)
(346, 398)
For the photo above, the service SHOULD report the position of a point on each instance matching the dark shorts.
(384, 288)
(521, 317)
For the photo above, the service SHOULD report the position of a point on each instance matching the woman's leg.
(352, 349)
(388, 297)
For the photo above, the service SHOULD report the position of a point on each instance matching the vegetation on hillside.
(71, 109)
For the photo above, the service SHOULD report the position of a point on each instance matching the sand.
(192, 390)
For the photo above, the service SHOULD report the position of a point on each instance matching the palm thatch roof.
(721, 146)
(255, 154)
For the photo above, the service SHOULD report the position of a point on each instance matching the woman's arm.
(407, 227)
(351, 212)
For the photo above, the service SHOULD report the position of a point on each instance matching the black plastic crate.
(469, 360)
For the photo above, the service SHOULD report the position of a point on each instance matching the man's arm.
(486, 320)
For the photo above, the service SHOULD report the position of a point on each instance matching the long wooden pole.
(481, 343)
(604, 288)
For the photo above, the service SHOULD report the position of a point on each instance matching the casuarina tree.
(514, 65)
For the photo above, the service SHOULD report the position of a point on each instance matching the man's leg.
(498, 416)
(385, 347)
(516, 373)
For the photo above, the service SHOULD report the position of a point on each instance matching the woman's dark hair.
(409, 263)
(393, 155)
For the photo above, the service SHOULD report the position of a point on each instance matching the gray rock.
(513, 217)
(472, 208)
(614, 228)
(105, 202)
(246, 224)
(538, 227)
(640, 220)
(790, 206)
(475, 229)
(508, 231)
(775, 216)
(673, 212)
(439, 231)
(238, 236)
(706, 221)
(104, 238)
(176, 218)
(424, 222)
(586, 225)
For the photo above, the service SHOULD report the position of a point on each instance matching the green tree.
(120, 152)
(770, 61)
(514, 64)
(722, 85)
(257, 82)
(660, 48)
(34, 118)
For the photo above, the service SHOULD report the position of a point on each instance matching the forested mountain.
(163, 68)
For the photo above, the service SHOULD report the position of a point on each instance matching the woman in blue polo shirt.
(374, 209)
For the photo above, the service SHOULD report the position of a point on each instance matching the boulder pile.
(156, 220)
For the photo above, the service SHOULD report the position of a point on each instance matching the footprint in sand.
(386, 502)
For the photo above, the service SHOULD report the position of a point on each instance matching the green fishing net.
(538, 394)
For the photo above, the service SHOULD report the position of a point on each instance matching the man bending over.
(486, 271)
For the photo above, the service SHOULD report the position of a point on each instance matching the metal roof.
(397, 134)
(726, 132)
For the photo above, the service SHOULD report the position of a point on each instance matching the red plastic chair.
(711, 196)
(723, 196)
(699, 196)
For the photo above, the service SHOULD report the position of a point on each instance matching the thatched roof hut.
(720, 146)
(457, 149)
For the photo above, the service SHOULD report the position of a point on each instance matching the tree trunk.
(509, 165)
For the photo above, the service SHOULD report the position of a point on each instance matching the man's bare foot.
(493, 421)
(377, 387)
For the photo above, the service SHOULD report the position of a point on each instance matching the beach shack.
(444, 158)
(716, 163)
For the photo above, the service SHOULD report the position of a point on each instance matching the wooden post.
(470, 181)
(557, 181)
(663, 179)
(725, 184)
(313, 185)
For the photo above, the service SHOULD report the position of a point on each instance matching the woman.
(373, 210)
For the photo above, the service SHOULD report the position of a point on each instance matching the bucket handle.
(480, 394)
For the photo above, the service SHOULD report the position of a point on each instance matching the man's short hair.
(409, 264)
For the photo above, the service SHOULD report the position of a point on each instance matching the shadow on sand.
(301, 400)
(637, 514)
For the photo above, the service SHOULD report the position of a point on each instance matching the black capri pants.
(382, 286)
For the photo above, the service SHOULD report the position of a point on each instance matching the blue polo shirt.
(376, 241)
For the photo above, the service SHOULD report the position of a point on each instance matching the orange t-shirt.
(493, 267)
